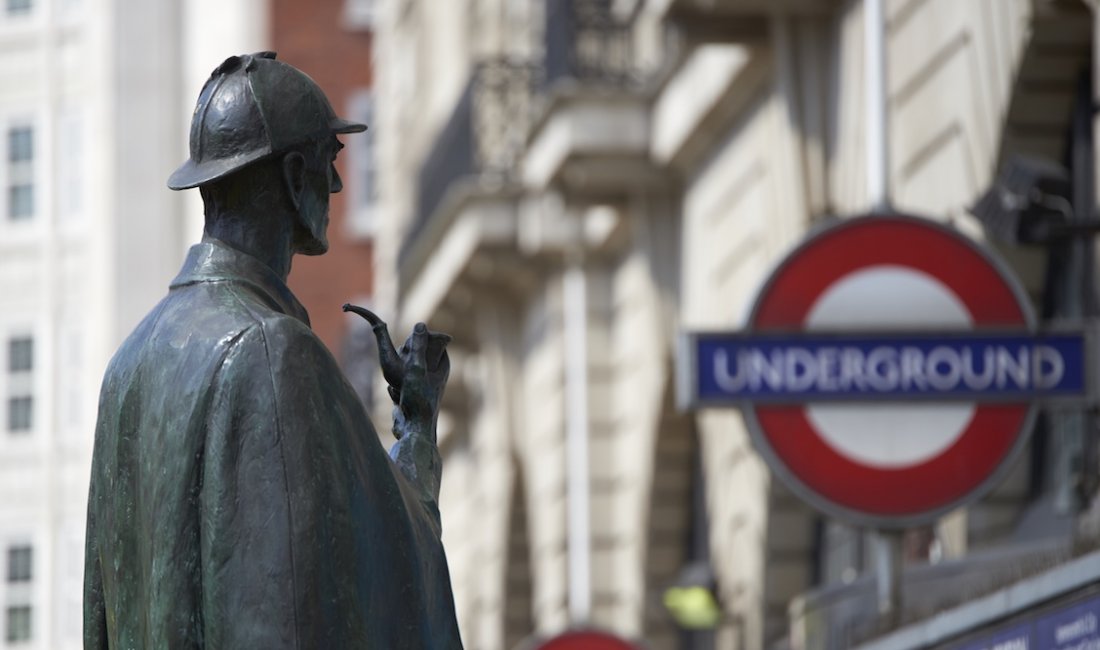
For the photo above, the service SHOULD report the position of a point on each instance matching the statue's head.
(264, 134)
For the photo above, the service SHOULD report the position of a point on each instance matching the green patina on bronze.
(240, 497)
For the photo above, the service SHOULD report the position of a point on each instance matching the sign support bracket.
(888, 570)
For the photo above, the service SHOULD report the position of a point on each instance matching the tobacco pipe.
(393, 369)
(393, 365)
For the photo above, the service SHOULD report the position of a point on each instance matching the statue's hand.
(416, 375)
(425, 372)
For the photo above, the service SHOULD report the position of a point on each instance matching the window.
(21, 354)
(20, 384)
(19, 563)
(18, 7)
(359, 14)
(20, 172)
(18, 624)
(20, 144)
(19, 414)
(362, 181)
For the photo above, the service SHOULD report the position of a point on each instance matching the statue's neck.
(272, 246)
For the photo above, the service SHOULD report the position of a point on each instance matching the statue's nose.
(336, 184)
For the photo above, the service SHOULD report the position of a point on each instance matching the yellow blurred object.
(694, 608)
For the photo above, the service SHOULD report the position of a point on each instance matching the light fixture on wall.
(1030, 203)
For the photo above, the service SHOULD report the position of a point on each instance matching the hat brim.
(191, 174)
(340, 125)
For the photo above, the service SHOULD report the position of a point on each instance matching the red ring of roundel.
(992, 432)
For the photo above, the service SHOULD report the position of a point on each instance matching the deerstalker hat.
(252, 107)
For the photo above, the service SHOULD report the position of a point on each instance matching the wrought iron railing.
(487, 131)
(483, 137)
(586, 42)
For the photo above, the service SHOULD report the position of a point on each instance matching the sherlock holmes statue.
(240, 497)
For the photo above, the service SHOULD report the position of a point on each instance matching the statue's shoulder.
(239, 316)
(285, 342)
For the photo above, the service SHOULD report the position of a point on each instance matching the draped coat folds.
(240, 497)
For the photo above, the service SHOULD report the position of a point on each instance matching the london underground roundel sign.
(586, 640)
(889, 371)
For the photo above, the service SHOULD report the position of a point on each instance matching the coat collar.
(213, 261)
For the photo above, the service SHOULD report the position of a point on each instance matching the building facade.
(95, 109)
(94, 105)
(565, 186)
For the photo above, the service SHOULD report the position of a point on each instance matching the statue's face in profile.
(322, 180)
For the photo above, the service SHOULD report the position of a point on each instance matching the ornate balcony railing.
(585, 42)
(486, 133)
(482, 139)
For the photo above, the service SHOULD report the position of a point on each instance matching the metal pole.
(888, 564)
(878, 142)
(575, 301)
(1092, 444)
(1082, 301)
(887, 545)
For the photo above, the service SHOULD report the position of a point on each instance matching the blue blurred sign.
(802, 368)
(1073, 627)
(1014, 638)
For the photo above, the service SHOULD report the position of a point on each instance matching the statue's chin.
(311, 245)
(315, 248)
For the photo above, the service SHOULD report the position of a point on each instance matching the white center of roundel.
(889, 435)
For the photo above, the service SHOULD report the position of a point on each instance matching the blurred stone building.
(96, 98)
(92, 103)
(667, 153)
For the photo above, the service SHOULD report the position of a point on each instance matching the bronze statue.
(240, 497)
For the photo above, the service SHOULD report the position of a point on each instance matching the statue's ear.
(294, 176)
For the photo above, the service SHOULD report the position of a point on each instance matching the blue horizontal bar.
(822, 367)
